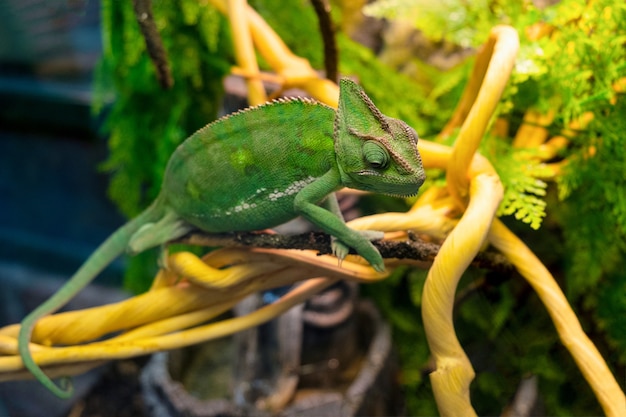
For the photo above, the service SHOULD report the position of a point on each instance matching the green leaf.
(520, 174)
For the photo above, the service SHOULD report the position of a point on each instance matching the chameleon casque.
(256, 169)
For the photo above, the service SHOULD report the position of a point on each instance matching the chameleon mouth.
(394, 186)
(400, 194)
(395, 189)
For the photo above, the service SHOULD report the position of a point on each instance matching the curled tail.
(110, 249)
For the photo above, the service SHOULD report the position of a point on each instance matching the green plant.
(145, 122)
(571, 63)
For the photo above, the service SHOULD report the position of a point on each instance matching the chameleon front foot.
(341, 250)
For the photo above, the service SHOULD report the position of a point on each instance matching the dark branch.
(409, 249)
(327, 29)
(154, 43)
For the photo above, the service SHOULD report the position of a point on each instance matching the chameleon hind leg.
(169, 227)
(110, 249)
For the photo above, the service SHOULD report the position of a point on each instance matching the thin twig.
(327, 29)
(409, 249)
(154, 43)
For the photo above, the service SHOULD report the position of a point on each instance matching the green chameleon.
(256, 169)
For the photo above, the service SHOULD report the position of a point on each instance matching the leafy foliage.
(572, 61)
(585, 55)
(462, 22)
(520, 174)
(592, 184)
(146, 123)
(595, 211)
(610, 299)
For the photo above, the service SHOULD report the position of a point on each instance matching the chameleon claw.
(372, 235)
(339, 249)
(163, 259)
(379, 267)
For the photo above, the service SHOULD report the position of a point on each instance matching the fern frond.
(521, 174)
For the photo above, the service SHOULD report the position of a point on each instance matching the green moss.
(145, 123)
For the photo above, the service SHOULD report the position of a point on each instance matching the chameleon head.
(374, 152)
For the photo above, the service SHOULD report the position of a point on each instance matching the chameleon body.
(256, 169)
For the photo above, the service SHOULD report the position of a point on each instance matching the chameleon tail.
(104, 255)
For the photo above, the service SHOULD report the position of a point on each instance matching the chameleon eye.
(375, 155)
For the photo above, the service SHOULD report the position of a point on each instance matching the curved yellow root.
(163, 318)
(195, 270)
(107, 350)
(582, 349)
(244, 50)
(492, 71)
(454, 372)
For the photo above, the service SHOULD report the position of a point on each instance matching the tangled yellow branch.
(156, 320)
(290, 70)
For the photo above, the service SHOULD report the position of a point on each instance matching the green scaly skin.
(256, 169)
